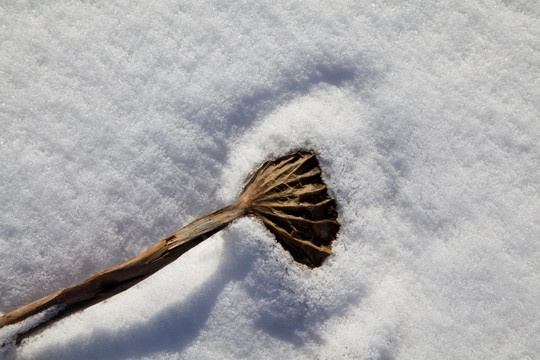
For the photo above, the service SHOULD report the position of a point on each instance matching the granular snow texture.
(121, 122)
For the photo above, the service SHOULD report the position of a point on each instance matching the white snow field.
(122, 121)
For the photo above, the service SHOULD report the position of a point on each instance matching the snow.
(121, 122)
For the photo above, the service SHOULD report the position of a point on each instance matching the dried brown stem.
(287, 194)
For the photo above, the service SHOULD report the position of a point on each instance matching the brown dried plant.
(287, 194)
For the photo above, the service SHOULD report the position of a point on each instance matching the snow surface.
(120, 122)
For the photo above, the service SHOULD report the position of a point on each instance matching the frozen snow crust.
(122, 122)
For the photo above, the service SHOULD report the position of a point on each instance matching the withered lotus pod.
(287, 194)
(291, 199)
